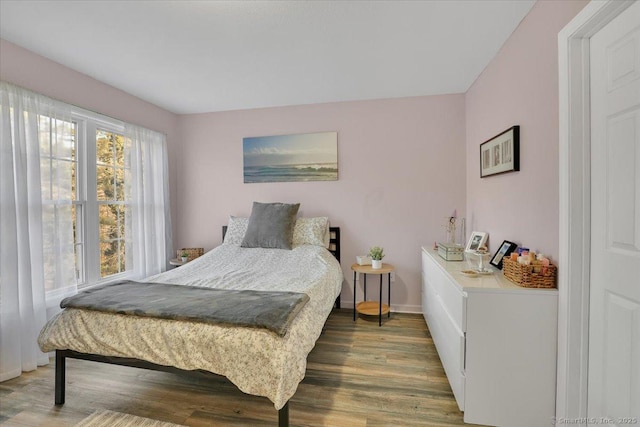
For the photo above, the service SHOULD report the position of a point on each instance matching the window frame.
(88, 124)
(56, 203)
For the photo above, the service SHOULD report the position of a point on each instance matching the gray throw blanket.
(253, 309)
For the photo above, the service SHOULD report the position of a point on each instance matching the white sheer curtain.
(33, 130)
(150, 219)
(40, 180)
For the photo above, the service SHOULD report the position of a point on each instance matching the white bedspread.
(258, 362)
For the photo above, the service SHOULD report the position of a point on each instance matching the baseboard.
(395, 308)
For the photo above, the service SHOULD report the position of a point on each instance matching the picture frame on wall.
(504, 250)
(290, 158)
(501, 154)
(477, 240)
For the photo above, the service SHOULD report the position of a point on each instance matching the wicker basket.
(529, 276)
(192, 253)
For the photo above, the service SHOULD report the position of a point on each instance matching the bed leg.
(283, 416)
(338, 302)
(60, 378)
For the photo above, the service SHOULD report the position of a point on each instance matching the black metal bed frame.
(63, 355)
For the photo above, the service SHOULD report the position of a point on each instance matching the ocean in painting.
(290, 173)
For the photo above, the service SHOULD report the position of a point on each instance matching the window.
(61, 208)
(86, 196)
(113, 202)
(86, 201)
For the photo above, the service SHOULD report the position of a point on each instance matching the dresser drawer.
(452, 298)
(449, 341)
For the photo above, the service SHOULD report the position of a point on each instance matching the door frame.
(575, 200)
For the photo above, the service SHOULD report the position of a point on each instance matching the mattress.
(258, 362)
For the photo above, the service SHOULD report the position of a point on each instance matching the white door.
(614, 324)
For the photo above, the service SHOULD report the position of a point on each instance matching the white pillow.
(236, 230)
(311, 231)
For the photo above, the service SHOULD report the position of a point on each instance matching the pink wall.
(520, 86)
(39, 74)
(401, 172)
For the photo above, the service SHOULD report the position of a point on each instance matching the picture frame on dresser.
(477, 239)
(504, 251)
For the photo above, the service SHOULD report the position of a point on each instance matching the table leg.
(380, 303)
(365, 285)
(354, 295)
(389, 297)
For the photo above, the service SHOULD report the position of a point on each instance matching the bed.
(257, 361)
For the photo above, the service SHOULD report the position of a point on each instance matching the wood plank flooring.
(358, 375)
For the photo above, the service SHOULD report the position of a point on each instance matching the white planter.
(184, 259)
(376, 264)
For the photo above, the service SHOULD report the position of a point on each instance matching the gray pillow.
(270, 225)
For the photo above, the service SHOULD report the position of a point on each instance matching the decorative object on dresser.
(483, 255)
(376, 253)
(371, 308)
(451, 251)
(451, 235)
(497, 342)
(506, 248)
(538, 274)
(501, 153)
(476, 241)
(286, 158)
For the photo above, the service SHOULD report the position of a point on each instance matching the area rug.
(105, 418)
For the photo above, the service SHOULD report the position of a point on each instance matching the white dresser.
(496, 341)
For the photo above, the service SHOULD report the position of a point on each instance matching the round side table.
(371, 308)
(177, 262)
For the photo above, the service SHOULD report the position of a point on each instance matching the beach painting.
(288, 158)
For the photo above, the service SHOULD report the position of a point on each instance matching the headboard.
(334, 241)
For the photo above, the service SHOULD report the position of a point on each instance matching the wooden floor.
(358, 374)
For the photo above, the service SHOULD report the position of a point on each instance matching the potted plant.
(376, 253)
(184, 256)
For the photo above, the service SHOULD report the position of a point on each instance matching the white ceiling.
(203, 56)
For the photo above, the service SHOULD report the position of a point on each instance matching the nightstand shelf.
(372, 308)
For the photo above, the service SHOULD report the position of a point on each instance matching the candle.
(545, 265)
(514, 256)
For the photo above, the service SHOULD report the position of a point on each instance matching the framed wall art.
(287, 158)
(501, 153)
